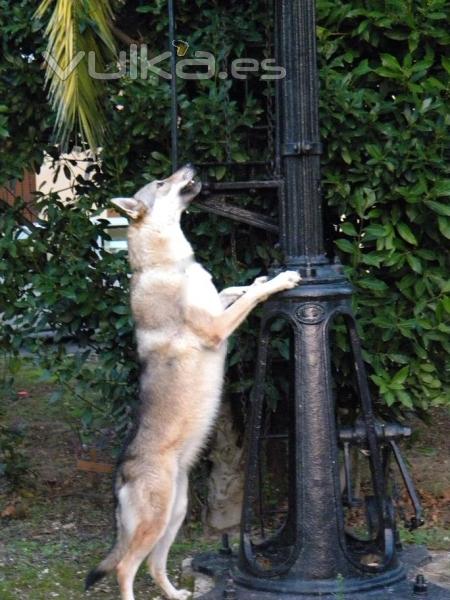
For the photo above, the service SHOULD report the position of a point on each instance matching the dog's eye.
(159, 183)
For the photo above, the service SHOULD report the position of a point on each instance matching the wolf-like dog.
(182, 325)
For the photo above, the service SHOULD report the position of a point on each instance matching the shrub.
(385, 103)
(25, 119)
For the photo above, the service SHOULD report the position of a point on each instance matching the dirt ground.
(428, 455)
(58, 524)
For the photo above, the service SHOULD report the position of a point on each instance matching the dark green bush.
(62, 282)
(385, 115)
(25, 118)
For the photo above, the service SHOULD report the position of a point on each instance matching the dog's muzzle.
(191, 188)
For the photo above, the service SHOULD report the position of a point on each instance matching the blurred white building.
(60, 178)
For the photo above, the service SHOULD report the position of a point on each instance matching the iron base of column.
(227, 587)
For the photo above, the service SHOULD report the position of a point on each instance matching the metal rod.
(277, 158)
(233, 163)
(348, 473)
(173, 85)
(261, 510)
(219, 186)
(386, 526)
(417, 520)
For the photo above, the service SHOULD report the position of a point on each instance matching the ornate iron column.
(316, 557)
(311, 553)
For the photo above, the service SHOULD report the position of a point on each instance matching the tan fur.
(182, 324)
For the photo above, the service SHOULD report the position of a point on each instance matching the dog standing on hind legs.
(182, 325)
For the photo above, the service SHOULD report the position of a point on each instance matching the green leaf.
(444, 226)
(346, 155)
(375, 231)
(372, 259)
(438, 207)
(388, 73)
(349, 229)
(414, 263)
(389, 398)
(406, 233)
(446, 303)
(389, 61)
(446, 63)
(371, 283)
(401, 375)
(345, 246)
(122, 322)
(442, 187)
(405, 398)
(220, 172)
(239, 156)
(427, 367)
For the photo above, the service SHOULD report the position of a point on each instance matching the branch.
(22, 219)
(124, 37)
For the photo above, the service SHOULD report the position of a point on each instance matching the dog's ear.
(130, 206)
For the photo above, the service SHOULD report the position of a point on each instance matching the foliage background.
(384, 69)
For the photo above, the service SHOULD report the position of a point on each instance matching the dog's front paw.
(180, 595)
(261, 280)
(287, 280)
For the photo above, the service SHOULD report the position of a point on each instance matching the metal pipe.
(173, 85)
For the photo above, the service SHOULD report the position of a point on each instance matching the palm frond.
(74, 27)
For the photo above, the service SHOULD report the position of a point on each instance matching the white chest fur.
(200, 291)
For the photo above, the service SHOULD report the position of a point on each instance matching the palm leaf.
(77, 26)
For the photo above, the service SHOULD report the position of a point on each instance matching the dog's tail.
(106, 566)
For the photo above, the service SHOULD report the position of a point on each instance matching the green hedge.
(385, 114)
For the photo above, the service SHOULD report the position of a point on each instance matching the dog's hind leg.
(145, 513)
(142, 543)
(126, 572)
(157, 561)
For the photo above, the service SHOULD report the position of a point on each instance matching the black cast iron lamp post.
(316, 556)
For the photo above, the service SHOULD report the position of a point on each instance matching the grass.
(48, 553)
(41, 572)
(56, 569)
(435, 538)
